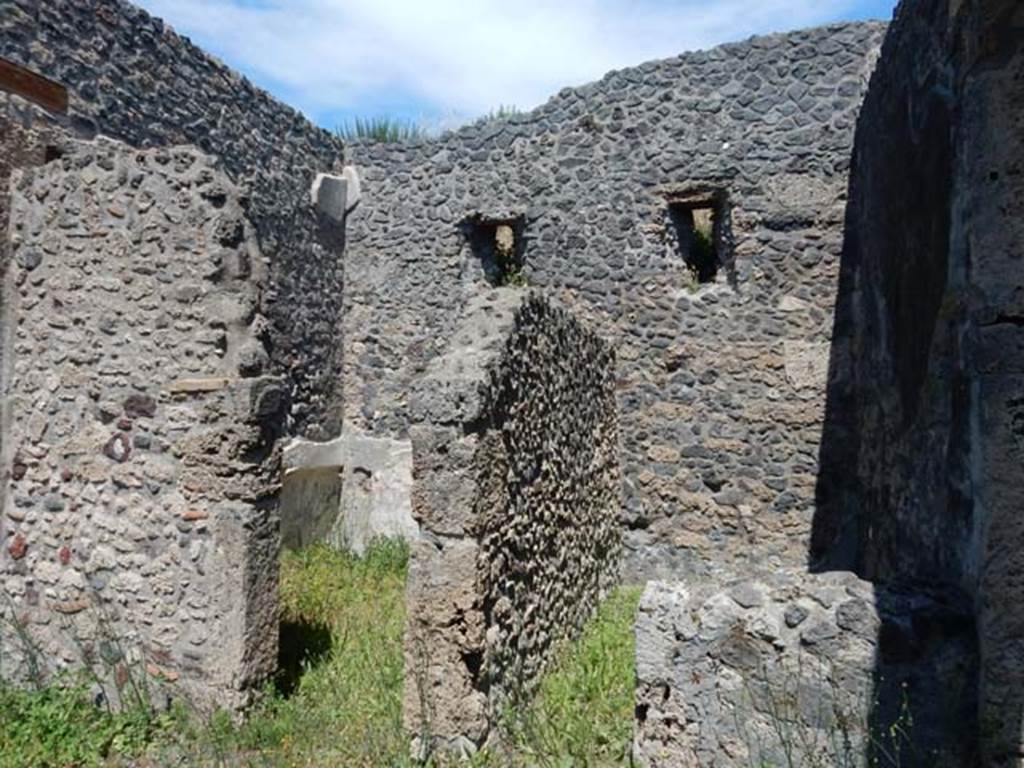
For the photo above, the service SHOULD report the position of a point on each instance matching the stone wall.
(922, 447)
(721, 383)
(347, 492)
(516, 488)
(23, 144)
(134, 79)
(24, 139)
(898, 329)
(139, 427)
(800, 669)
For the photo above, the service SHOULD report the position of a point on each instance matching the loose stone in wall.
(138, 531)
(516, 489)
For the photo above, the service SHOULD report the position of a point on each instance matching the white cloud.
(459, 57)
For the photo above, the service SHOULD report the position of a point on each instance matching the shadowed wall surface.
(921, 455)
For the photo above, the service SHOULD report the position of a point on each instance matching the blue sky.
(443, 62)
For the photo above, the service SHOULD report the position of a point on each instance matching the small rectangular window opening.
(698, 229)
(497, 244)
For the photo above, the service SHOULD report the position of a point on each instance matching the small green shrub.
(501, 112)
(515, 278)
(63, 718)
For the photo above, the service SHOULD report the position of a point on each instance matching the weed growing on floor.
(338, 696)
(60, 725)
(582, 714)
(64, 718)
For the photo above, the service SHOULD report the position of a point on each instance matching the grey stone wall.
(131, 77)
(922, 448)
(138, 535)
(24, 139)
(721, 384)
(516, 488)
(804, 670)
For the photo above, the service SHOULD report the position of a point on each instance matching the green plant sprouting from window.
(703, 256)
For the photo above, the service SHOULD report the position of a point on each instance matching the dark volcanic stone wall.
(721, 384)
(898, 362)
(136, 80)
(922, 452)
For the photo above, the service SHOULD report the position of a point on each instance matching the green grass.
(501, 112)
(582, 714)
(388, 130)
(338, 698)
(342, 623)
(397, 130)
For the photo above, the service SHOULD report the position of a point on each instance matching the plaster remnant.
(330, 196)
(347, 491)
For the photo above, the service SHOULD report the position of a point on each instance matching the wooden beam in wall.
(40, 90)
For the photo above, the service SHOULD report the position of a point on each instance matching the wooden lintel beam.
(40, 90)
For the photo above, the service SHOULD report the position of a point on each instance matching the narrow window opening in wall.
(698, 225)
(497, 246)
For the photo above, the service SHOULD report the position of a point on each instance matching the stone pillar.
(516, 489)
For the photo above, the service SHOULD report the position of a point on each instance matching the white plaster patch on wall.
(806, 364)
(376, 497)
(348, 491)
